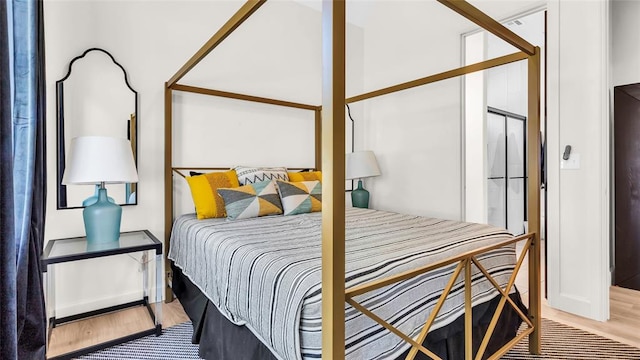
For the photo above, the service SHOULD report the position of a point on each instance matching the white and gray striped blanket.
(265, 273)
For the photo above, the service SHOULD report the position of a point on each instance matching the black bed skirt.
(219, 339)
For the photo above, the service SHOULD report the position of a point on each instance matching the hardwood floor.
(624, 320)
(91, 331)
(624, 312)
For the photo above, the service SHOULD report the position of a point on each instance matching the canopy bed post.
(533, 216)
(468, 318)
(333, 168)
(168, 186)
(318, 138)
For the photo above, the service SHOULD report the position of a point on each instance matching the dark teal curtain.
(22, 179)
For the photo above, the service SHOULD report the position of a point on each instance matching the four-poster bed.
(329, 156)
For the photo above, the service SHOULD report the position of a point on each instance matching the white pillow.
(251, 175)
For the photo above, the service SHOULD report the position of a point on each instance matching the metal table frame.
(47, 261)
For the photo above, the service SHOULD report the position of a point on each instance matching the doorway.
(494, 131)
(626, 168)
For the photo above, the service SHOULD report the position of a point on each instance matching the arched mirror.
(94, 98)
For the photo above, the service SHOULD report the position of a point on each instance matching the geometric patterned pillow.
(205, 197)
(300, 197)
(305, 176)
(252, 175)
(251, 200)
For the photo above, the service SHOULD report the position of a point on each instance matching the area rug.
(558, 342)
(174, 343)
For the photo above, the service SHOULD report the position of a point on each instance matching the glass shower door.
(507, 180)
(497, 170)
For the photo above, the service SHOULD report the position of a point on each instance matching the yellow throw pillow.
(204, 190)
(305, 176)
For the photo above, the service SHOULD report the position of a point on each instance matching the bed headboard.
(171, 168)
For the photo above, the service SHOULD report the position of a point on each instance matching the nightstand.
(74, 249)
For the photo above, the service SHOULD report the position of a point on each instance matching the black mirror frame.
(60, 162)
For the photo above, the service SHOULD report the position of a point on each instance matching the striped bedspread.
(265, 273)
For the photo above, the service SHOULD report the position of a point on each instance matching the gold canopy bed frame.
(329, 156)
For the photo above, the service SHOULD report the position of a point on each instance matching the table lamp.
(100, 160)
(361, 164)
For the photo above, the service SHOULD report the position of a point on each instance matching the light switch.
(573, 163)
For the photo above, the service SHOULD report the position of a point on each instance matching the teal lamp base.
(94, 198)
(102, 220)
(360, 197)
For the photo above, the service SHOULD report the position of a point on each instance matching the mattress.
(265, 273)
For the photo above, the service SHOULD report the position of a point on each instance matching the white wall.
(625, 43)
(152, 39)
(475, 144)
(415, 133)
(578, 238)
(507, 84)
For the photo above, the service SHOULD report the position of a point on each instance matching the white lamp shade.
(96, 159)
(362, 164)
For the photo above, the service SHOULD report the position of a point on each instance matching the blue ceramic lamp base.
(93, 198)
(360, 197)
(102, 220)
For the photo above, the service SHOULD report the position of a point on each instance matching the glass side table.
(73, 249)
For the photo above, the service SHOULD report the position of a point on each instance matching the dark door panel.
(627, 185)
